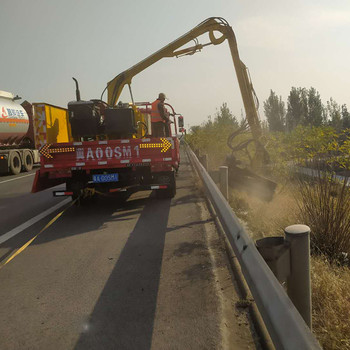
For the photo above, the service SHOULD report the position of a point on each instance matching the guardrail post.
(224, 181)
(289, 260)
(298, 282)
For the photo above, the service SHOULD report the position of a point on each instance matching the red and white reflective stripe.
(124, 141)
(102, 162)
(146, 160)
(146, 140)
(77, 143)
(117, 190)
(167, 159)
(124, 161)
(62, 193)
(102, 142)
(80, 164)
(159, 187)
(48, 165)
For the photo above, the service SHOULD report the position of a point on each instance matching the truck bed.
(60, 160)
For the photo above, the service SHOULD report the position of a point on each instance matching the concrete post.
(224, 181)
(298, 282)
(205, 161)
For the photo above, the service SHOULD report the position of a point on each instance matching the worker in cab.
(160, 117)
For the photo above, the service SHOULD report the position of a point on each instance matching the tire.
(169, 192)
(15, 163)
(75, 187)
(27, 161)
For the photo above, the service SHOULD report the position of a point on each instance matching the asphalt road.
(151, 274)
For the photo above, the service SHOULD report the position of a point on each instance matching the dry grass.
(330, 283)
(266, 218)
(331, 304)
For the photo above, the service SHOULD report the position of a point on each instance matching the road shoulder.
(198, 300)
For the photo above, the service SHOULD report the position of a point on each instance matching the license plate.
(105, 178)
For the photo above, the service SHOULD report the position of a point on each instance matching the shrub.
(324, 205)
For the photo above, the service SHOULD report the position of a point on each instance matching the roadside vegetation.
(306, 134)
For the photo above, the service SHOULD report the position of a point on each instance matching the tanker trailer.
(17, 151)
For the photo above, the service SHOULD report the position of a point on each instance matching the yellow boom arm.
(210, 25)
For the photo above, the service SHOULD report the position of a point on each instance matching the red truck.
(105, 150)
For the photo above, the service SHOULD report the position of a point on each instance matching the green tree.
(304, 108)
(194, 129)
(225, 117)
(345, 116)
(265, 125)
(275, 112)
(315, 115)
(297, 107)
(334, 114)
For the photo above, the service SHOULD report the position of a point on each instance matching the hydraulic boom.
(210, 25)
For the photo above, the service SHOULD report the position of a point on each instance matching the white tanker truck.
(17, 149)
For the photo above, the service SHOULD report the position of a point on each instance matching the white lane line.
(32, 221)
(16, 178)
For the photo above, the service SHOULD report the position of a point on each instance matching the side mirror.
(180, 120)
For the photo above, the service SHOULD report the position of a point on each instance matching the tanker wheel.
(168, 179)
(27, 161)
(15, 163)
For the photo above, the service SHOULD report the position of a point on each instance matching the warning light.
(165, 145)
(46, 151)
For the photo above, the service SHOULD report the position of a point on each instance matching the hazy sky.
(284, 43)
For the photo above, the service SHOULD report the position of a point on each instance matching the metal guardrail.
(285, 325)
(319, 173)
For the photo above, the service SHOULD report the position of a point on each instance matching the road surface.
(151, 274)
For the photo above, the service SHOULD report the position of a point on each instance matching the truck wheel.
(169, 192)
(15, 163)
(27, 161)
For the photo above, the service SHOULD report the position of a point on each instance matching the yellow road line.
(20, 250)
